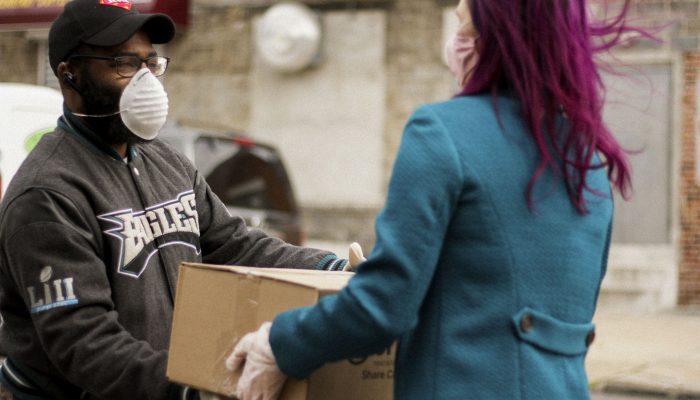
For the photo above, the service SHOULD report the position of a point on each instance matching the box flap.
(324, 282)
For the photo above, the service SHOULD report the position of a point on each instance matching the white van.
(26, 113)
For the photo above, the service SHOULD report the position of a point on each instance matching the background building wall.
(681, 20)
(329, 118)
(208, 81)
(216, 82)
(644, 275)
(18, 57)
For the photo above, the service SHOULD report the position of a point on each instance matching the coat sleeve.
(226, 239)
(60, 283)
(383, 299)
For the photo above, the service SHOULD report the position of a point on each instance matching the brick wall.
(689, 268)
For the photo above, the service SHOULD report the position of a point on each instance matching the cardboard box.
(216, 305)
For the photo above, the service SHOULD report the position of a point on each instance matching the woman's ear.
(466, 23)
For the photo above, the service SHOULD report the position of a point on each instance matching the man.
(99, 216)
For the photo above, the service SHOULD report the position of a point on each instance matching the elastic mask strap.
(96, 116)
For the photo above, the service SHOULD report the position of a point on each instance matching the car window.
(243, 176)
(248, 177)
(211, 151)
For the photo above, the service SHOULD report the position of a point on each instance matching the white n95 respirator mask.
(144, 105)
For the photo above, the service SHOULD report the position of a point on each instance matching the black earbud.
(68, 78)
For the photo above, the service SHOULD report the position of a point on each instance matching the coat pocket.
(551, 334)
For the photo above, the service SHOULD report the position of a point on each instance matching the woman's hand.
(261, 378)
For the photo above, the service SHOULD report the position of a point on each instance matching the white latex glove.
(209, 396)
(261, 378)
(355, 257)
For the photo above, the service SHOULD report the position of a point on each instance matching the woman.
(494, 238)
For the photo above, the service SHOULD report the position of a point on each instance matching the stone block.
(215, 101)
(653, 7)
(685, 43)
(343, 225)
(685, 8)
(19, 58)
(218, 41)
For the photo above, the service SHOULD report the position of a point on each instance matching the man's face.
(101, 87)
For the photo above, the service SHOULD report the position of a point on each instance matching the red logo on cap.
(125, 4)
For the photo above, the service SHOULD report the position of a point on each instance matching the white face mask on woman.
(461, 57)
(144, 105)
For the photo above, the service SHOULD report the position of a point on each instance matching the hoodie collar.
(76, 127)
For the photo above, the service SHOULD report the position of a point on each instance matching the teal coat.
(487, 299)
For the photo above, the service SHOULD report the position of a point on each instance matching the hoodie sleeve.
(226, 239)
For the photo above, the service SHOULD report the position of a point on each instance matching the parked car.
(249, 177)
(26, 113)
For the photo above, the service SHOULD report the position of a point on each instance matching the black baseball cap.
(102, 23)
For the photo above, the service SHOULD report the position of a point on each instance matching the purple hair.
(543, 51)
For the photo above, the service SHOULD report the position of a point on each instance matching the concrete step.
(640, 278)
(634, 278)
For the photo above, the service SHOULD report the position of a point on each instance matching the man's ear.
(66, 77)
(63, 70)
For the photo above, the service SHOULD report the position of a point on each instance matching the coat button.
(590, 338)
(526, 323)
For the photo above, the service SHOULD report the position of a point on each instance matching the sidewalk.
(646, 354)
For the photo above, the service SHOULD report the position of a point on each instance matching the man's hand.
(355, 257)
(261, 378)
